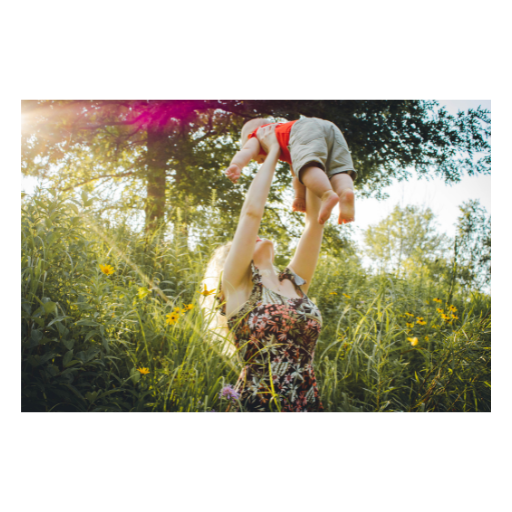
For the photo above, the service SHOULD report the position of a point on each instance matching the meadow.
(112, 321)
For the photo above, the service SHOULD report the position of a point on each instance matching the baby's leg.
(318, 183)
(344, 187)
(299, 203)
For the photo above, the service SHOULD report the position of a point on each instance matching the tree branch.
(124, 175)
(112, 123)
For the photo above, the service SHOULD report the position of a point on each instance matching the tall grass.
(98, 342)
(387, 347)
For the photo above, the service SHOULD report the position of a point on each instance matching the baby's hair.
(250, 126)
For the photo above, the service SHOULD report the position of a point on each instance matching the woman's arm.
(306, 255)
(236, 267)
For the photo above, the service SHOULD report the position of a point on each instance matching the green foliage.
(366, 359)
(407, 237)
(88, 337)
(472, 251)
(157, 156)
(85, 334)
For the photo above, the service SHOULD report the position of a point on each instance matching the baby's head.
(250, 126)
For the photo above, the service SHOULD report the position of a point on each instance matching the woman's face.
(264, 250)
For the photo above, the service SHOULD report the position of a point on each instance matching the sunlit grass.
(112, 321)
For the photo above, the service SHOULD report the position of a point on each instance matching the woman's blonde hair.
(250, 126)
(211, 304)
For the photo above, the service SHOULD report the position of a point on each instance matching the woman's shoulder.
(237, 299)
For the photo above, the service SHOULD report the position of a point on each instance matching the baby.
(319, 160)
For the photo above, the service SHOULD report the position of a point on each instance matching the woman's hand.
(267, 137)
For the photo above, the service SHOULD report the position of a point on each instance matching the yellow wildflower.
(107, 269)
(179, 310)
(426, 338)
(333, 293)
(410, 326)
(143, 371)
(421, 322)
(419, 318)
(345, 295)
(207, 292)
(454, 317)
(439, 310)
(172, 318)
(188, 307)
(453, 308)
(414, 341)
(437, 300)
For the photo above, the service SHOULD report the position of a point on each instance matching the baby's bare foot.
(329, 201)
(299, 204)
(347, 210)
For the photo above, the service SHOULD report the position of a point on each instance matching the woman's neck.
(267, 270)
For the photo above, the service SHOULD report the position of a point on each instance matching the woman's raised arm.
(237, 265)
(306, 255)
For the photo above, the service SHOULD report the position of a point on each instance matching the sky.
(444, 200)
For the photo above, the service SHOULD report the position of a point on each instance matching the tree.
(164, 149)
(472, 248)
(176, 149)
(406, 239)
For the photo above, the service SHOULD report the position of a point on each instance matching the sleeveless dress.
(276, 338)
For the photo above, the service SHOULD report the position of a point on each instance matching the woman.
(274, 324)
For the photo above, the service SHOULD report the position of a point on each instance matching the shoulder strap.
(256, 276)
(288, 273)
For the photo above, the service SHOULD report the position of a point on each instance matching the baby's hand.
(233, 172)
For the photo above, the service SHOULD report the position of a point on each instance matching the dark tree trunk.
(156, 167)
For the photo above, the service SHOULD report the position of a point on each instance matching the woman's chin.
(264, 251)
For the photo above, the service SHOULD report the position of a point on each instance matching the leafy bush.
(87, 335)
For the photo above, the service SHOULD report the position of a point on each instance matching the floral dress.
(276, 338)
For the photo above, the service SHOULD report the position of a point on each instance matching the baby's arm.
(242, 158)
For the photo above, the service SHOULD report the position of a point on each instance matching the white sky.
(442, 199)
